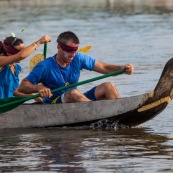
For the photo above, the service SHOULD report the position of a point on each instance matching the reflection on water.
(85, 150)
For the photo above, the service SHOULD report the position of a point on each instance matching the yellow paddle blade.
(85, 49)
(35, 60)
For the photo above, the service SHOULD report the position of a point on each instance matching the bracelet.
(35, 45)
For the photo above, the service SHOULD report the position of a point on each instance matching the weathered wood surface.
(38, 115)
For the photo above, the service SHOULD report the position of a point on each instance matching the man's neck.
(61, 62)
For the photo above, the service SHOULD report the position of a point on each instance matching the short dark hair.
(66, 36)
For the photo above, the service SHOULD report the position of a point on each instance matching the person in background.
(64, 68)
(12, 51)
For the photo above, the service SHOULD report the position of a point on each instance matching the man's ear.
(58, 47)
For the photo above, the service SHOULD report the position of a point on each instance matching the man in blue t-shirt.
(64, 68)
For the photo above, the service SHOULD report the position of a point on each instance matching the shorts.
(89, 94)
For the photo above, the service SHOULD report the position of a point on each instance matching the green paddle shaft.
(45, 50)
(12, 102)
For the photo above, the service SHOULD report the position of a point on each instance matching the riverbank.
(168, 4)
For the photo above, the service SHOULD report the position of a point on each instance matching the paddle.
(84, 49)
(40, 57)
(10, 103)
(45, 50)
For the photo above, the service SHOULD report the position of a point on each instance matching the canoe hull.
(38, 115)
(124, 112)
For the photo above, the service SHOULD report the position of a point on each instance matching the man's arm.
(105, 68)
(17, 93)
(27, 87)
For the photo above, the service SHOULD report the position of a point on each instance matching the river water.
(119, 31)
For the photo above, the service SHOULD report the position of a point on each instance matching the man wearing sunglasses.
(64, 68)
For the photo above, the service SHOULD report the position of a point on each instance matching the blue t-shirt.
(52, 75)
(9, 82)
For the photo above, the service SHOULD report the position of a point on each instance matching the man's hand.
(129, 69)
(44, 92)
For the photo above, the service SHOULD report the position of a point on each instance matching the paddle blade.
(85, 49)
(35, 60)
(10, 103)
(40, 57)
(6, 106)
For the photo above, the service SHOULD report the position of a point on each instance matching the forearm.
(28, 50)
(27, 87)
(112, 67)
(17, 93)
(106, 68)
(24, 53)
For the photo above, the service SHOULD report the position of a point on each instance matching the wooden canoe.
(124, 112)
